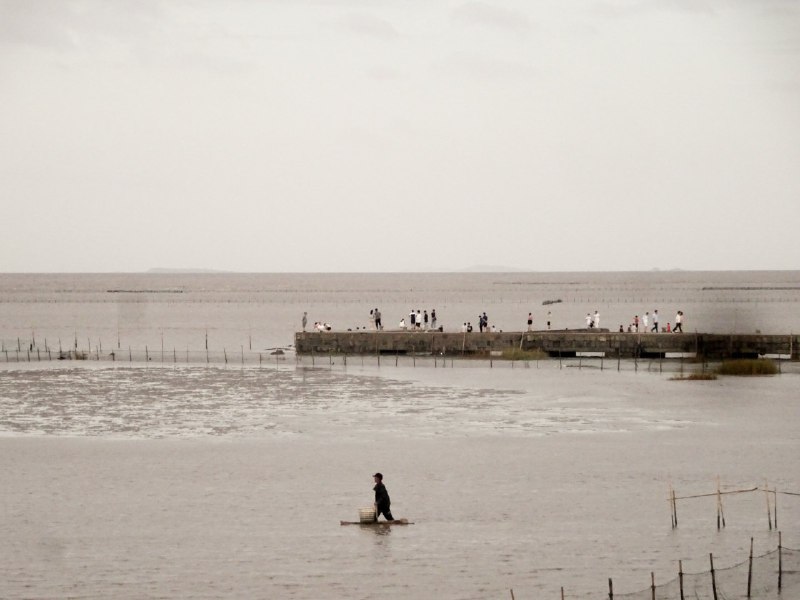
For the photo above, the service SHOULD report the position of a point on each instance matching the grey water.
(143, 481)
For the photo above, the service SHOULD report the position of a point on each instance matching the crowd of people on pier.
(422, 320)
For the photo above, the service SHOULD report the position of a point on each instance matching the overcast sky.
(405, 135)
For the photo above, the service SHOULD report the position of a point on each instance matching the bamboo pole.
(750, 569)
(671, 507)
(780, 563)
(775, 506)
(652, 586)
(610, 589)
(675, 507)
(680, 577)
(713, 576)
(769, 509)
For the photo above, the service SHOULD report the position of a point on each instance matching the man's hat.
(378, 475)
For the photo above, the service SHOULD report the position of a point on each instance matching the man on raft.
(382, 501)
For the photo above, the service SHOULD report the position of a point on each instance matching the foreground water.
(213, 482)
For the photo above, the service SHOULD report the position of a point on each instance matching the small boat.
(378, 523)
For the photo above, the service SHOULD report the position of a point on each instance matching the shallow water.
(211, 483)
(214, 481)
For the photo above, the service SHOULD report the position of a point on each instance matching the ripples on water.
(195, 401)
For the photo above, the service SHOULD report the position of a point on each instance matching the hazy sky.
(405, 135)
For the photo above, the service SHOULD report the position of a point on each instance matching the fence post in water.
(259, 360)
(780, 563)
(680, 577)
(652, 586)
(610, 589)
(225, 353)
(242, 347)
(130, 355)
(674, 508)
(562, 592)
(713, 576)
(769, 510)
(775, 505)
(750, 569)
(146, 354)
(38, 356)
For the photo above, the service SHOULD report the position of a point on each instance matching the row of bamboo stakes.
(712, 573)
(770, 495)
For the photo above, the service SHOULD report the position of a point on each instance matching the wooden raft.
(379, 523)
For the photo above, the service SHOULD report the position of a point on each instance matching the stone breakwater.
(554, 343)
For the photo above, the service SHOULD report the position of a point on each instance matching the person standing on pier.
(305, 320)
(378, 323)
(645, 319)
(655, 321)
(596, 320)
(433, 318)
(425, 320)
(530, 321)
(678, 322)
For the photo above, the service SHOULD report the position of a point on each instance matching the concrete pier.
(555, 343)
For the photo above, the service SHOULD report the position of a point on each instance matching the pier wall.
(554, 343)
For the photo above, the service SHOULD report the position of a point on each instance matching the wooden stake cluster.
(772, 504)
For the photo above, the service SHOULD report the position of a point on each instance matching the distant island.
(174, 271)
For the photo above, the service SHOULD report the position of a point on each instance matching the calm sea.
(137, 480)
(257, 311)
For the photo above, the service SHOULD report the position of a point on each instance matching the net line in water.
(774, 575)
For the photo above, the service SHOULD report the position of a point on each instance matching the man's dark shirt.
(381, 497)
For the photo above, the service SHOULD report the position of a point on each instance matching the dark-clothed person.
(382, 501)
